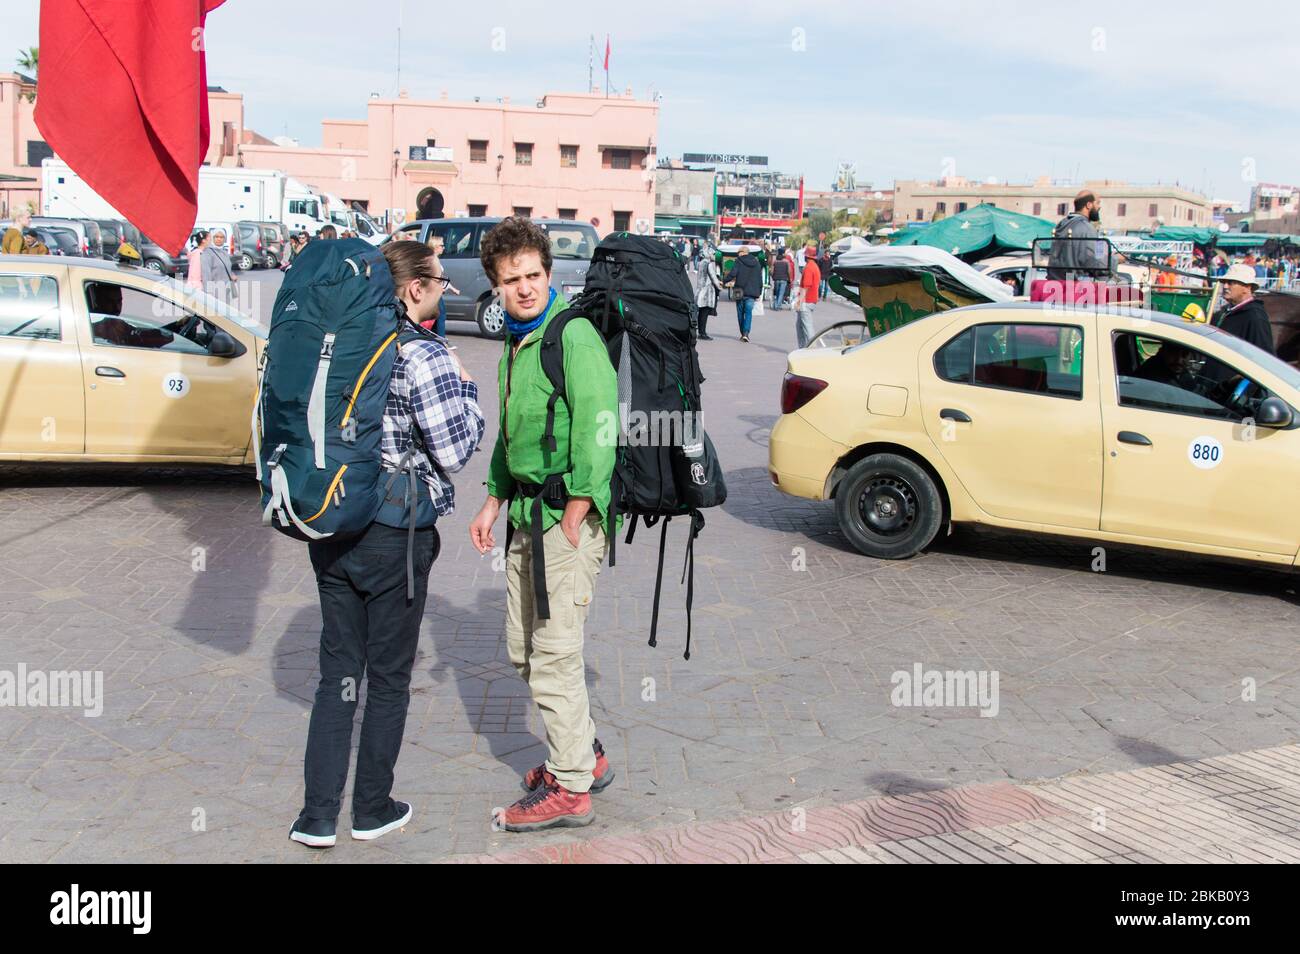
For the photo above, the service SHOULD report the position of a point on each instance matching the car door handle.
(952, 414)
(104, 371)
(1133, 437)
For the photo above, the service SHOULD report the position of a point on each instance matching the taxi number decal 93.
(1205, 452)
(175, 385)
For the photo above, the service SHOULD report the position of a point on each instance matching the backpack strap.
(552, 358)
(659, 575)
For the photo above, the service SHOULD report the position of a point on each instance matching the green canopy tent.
(1237, 241)
(1182, 233)
(981, 232)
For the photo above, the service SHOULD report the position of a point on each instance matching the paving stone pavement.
(208, 673)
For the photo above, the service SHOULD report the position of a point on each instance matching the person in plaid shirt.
(373, 586)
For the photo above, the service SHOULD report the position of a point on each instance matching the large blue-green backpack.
(318, 421)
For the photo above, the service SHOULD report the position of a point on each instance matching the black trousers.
(703, 319)
(370, 630)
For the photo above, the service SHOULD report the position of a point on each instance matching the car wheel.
(245, 262)
(491, 318)
(889, 507)
(154, 265)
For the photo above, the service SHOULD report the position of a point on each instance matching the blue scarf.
(518, 329)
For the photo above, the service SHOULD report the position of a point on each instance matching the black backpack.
(639, 298)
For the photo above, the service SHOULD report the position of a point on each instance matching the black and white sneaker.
(370, 827)
(313, 832)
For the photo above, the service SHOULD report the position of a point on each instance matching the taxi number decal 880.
(1205, 452)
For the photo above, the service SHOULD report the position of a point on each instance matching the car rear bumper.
(801, 458)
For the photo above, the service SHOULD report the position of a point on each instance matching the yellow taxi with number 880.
(1115, 425)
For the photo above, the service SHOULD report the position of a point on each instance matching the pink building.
(568, 155)
(22, 147)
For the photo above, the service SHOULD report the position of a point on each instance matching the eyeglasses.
(443, 280)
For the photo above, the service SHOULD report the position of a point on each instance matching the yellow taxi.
(1115, 425)
(101, 362)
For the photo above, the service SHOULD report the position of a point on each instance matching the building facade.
(21, 146)
(758, 202)
(1123, 205)
(881, 200)
(568, 155)
(685, 200)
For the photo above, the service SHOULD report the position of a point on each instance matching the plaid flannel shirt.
(426, 389)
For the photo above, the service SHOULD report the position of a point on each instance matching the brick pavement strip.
(1080, 820)
(1124, 690)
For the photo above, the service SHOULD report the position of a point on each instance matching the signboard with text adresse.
(723, 159)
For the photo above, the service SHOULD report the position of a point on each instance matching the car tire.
(245, 263)
(154, 265)
(888, 507)
(491, 318)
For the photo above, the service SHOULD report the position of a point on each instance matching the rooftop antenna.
(400, 6)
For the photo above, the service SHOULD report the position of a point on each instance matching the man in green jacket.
(558, 503)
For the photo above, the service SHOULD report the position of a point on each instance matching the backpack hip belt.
(555, 495)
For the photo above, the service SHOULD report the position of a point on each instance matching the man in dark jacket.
(780, 281)
(1077, 244)
(1246, 317)
(746, 275)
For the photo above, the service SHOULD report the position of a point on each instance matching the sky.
(1202, 94)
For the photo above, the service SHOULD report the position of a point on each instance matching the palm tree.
(28, 62)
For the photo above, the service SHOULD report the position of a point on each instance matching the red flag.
(606, 53)
(122, 98)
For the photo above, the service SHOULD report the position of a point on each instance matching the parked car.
(158, 259)
(1122, 425)
(96, 239)
(133, 366)
(276, 236)
(89, 242)
(59, 241)
(251, 253)
(572, 244)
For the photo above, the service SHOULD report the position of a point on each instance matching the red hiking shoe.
(601, 776)
(550, 806)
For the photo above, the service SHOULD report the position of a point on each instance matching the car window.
(130, 318)
(29, 306)
(457, 239)
(1160, 375)
(575, 241)
(1040, 359)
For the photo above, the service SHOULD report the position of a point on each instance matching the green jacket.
(586, 426)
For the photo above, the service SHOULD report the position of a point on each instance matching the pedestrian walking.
(781, 277)
(824, 265)
(215, 270)
(371, 610)
(746, 279)
(556, 499)
(806, 297)
(706, 297)
(194, 259)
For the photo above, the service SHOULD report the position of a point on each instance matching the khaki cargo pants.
(548, 652)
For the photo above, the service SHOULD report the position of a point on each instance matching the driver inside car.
(104, 301)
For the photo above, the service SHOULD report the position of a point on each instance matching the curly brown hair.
(509, 237)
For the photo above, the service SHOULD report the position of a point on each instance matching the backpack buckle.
(274, 460)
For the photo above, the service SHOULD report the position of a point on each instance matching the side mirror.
(1274, 412)
(223, 345)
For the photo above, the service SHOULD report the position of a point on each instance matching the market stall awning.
(1186, 233)
(980, 232)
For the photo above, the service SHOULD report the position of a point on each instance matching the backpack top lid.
(648, 276)
(321, 262)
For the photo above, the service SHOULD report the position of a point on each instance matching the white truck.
(342, 217)
(225, 195)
